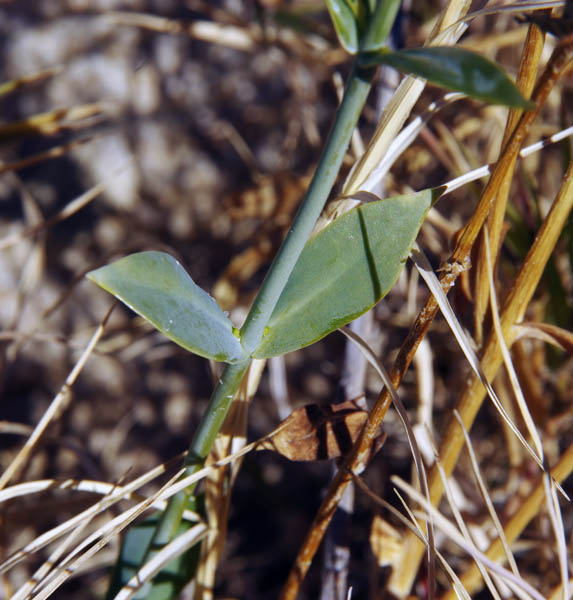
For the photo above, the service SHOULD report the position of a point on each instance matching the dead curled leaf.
(315, 432)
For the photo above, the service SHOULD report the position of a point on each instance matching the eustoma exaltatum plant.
(311, 288)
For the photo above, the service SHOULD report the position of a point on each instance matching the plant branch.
(323, 180)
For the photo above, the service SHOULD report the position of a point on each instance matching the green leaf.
(170, 580)
(344, 270)
(158, 288)
(345, 24)
(455, 69)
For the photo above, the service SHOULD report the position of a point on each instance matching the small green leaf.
(345, 24)
(158, 288)
(455, 69)
(344, 270)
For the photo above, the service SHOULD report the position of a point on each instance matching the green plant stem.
(252, 331)
(209, 426)
(324, 177)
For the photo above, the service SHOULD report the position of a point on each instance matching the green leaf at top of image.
(344, 270)
(158, 288)
(345, 24)
(455, 69)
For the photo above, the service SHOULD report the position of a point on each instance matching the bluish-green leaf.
(344, 270)
(456, 69)
(158, 288)
(345, 24)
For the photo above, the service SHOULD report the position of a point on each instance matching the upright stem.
(324, 177)
(209, 426)
(323, 180)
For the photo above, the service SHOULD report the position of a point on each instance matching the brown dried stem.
(528, 68)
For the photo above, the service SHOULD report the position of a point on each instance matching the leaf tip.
(94, 275)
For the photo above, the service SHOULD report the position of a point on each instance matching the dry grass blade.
(404, 139)
(517, 523)
(527, 418)
(425, 270)
(51, 122)
(528, 68)
(464, 529)
(401, 410)
(55, 407)
(487, 499)
(17, 84)
(413, 526)
(50, 154)
(70, 209)
(179, 545)
(113, 493)
(59, 574)
(480, 172)
(556, 336)
(207, 31)
(43, 572)
(446, 527)
(556, 518)
(515, 7)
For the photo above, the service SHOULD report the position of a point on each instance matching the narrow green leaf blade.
(345, 24)
(345, 270)
(455, 69)
(158, 288)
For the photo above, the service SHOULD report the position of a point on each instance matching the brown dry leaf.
(385, 541)
(314, 432)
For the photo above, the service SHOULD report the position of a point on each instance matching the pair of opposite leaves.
(342, 272)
